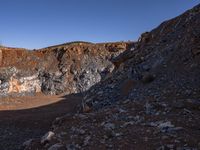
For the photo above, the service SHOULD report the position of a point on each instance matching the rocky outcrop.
(24, 84)
(151, 99)
(163, 62)
(12, 84)
(67, 68)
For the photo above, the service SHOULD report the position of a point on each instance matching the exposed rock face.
(68, 68)
(11, 84)
(151, 99)
(24, 84)
(1, 57)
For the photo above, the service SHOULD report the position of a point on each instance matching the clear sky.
(40, 23)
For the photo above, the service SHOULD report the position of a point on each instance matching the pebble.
(47, 137)
(27, 143)
(86, 141)
(167, 124)
(109, 126)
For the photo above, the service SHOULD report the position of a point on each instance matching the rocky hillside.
(151, 100)
(68, 68)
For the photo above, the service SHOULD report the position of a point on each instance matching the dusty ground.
(30, 117)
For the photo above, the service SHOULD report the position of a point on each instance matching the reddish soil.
(31, 117)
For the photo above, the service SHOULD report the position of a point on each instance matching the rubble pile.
(149, 101)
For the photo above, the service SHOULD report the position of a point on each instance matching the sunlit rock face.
(26, 84)
(68, 68)
(11, 84)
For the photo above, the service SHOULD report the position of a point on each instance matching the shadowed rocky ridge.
(168, 56)
(149, 101)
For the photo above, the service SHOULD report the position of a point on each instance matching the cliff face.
(68, 68)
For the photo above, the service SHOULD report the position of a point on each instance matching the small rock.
(177, 129)
(81, 116)
(47, 137)
(109, 126)
(168, 127)
(118, 134)
(81, 131)
(86, 109)
(102, 141)
(167, 124)
(121, 110)
(128, 123)
(146, 67)
(126, 101)
(86, 141)
(149, 109)
(170, 146)
(27, 143)
(147, 78)
(57, 146)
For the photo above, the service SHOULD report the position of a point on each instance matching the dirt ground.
(30, 117)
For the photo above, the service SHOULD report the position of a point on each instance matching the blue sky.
(40, 23)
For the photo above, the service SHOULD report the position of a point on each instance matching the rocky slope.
(68, 68)
(151, 100)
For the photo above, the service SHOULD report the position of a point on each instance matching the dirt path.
(30, 117)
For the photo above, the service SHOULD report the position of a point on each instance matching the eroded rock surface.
(68, 68)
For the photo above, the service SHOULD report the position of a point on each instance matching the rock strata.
(68, 68)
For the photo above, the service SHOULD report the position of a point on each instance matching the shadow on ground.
(17, 126)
